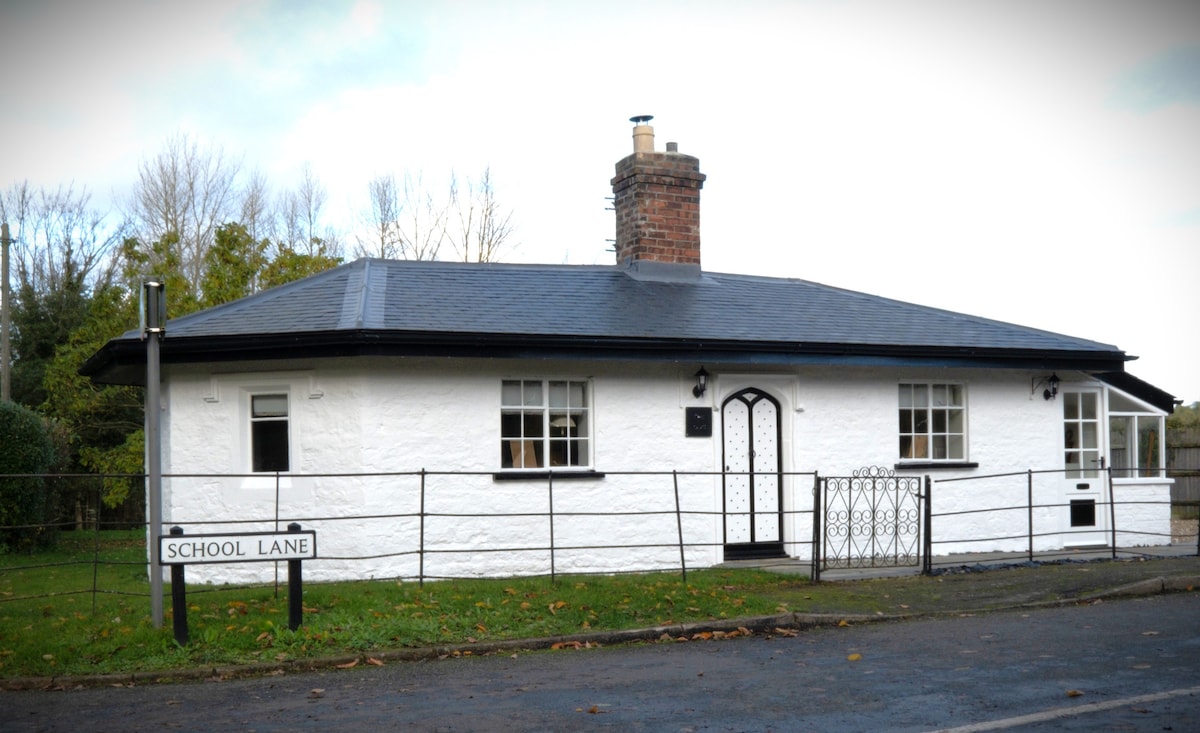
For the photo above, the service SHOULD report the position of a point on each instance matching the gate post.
(816, 543)
(927, 516)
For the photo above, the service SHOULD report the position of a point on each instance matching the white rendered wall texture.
(400, 417)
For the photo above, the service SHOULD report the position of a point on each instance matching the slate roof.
(374, 306)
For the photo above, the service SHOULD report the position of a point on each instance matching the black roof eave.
(122, 360)
(1140, 389)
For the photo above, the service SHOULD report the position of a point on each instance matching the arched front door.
(752, 482)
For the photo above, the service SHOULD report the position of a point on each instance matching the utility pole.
(5, 318)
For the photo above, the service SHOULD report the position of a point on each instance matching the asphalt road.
(1127, 665)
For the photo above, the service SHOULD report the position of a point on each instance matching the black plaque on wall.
(699, 422)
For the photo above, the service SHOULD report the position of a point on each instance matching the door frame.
(755, 548)
(1085, 497)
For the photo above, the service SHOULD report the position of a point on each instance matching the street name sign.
(238, 547)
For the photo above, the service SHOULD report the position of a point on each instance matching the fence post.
(679, 526)
(96, 550)
(1029, 509)
(178, 598)
(295, 588)
(927, 511)
(421, 540)
(816, 542)
(1112, 511)
(276, 564)
(550, 498)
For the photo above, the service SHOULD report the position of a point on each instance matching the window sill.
(546, 475)
(1135, 480)
(933, 465)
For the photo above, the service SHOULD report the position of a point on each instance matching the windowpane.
(955, 394)
(1071, 405)
(532, 425)
(533, 394)
(269, 439)
(906, 395)
(939, 421)
(510, 425)
(1089, 403)
(269, 432)
(1149, 440)
(1120, 449)
(1090, 436)
(558, 394)
(510, 394)
(920, 395)
(939, 395)
(269, 405)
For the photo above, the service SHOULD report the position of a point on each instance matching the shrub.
(28, 449)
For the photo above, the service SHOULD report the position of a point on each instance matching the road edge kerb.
(670, 632)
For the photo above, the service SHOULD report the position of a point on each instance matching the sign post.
(179, 550)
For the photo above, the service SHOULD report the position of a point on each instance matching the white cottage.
(514, 386)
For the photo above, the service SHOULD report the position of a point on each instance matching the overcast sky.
(1030, 161)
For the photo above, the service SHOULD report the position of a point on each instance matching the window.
(1081, 433)
(933, 422)
(1134, 439)
(544, 424)
(269, 432)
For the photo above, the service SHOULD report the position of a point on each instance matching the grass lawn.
(68, 630)
(72, 631)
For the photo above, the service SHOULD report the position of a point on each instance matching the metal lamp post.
(154, 320)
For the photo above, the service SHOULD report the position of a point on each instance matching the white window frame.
(1132, 447)
(926, 439)
(540, 428)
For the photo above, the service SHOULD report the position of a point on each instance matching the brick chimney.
(657, 199)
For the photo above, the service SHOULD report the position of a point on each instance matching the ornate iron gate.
(871, 519)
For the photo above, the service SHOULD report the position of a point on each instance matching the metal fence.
(568, 527)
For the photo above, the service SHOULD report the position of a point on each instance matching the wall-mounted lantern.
(701, 382)
(1051, 383)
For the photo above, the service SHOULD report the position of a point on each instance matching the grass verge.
(85, 633)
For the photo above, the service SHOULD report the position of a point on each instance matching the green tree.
(288, 264)
(100, 419)
(62, 249)
(28, 449)
(160, 260)
(1185, 417)
(232, 266)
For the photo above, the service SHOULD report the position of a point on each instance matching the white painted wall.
(371, 416)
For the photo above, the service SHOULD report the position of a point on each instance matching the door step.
(754, 551)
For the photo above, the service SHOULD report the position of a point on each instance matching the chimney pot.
(672, 147)
(643, 136)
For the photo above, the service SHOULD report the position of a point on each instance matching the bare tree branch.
(484, 226)
(187, 190)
